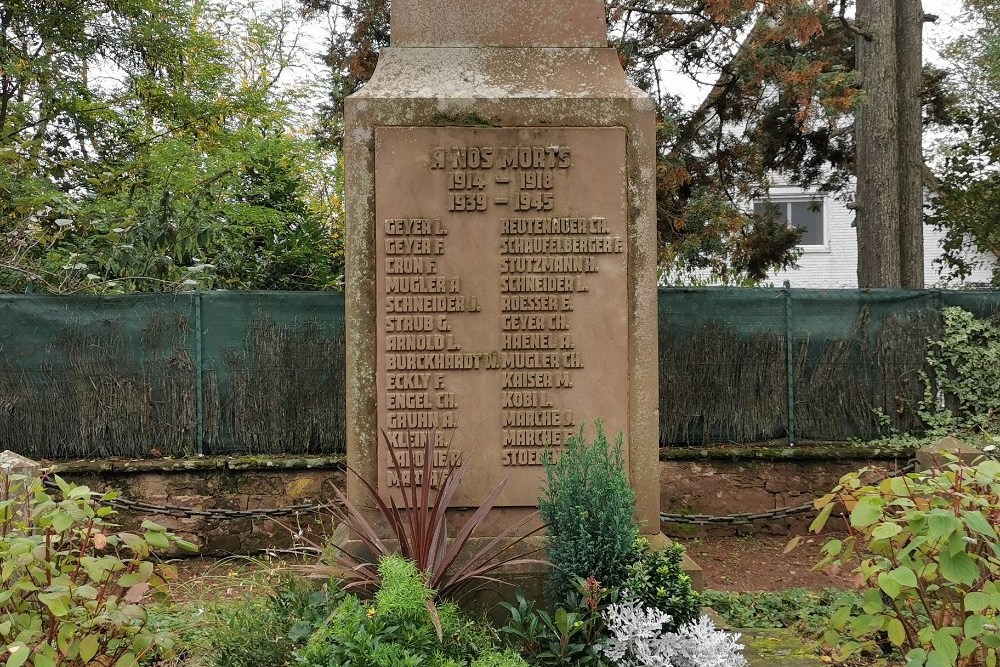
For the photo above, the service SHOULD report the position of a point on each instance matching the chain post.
(789, 364)
(199, 375)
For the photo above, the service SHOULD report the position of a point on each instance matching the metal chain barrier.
(223, 514)
(743, 518)
(217, 513)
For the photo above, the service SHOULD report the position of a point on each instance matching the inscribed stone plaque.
(502, 296)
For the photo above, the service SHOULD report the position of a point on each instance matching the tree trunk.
(909, 50)
(877, 149)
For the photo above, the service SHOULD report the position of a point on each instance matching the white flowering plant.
(637, 639)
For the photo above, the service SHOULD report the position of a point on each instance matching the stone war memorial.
(501, 249)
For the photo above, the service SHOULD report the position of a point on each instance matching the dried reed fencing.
(263, 373)
(172, 375)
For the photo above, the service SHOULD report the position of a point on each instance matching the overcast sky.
(935, 34)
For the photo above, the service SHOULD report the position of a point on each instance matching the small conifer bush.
(588, 506)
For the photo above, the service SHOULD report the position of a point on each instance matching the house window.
(806, 214)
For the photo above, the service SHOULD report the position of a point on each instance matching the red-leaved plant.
(420, 527)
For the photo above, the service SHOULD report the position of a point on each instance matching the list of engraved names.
(501, 295)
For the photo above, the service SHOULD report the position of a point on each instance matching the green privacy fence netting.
(178, 375)
(750, 365)
(258, 372)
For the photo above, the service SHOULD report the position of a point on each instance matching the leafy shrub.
(401, 628)
(588, 506)
(494, 659)
(570, 636)
(931, 562)
(265, 632)
(657, 580)
(965, 371)
(73, 590)
(420, 527)
(808, 612)
(638, 639)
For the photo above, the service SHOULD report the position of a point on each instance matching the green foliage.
(657, 579)
(965, 371)
(419, 524)
(179, 171)
(807, 612)
(73, 590)
(966, 202)
(930, 556)
(402, 627)
(588, 506)
(505, 659)
(569, 636)
(265, 632)
(786, 81)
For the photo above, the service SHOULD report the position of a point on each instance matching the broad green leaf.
(945, 643)
(19, 654)
(884, 531)
(157, 539)
(89, 646)
(939, 659)
(839, 617)
(958, 568)
(127, 660)
(916, 658)
(138, 545)
(56, 602)
(978, 523)
(889, 585)
(86, 592)
(141, 576)
(904, 576)
(897, 635)
(184, 545)
(820, 521)
(867, 511)
(967, 646)
(976, 601)
(61, 522)
(941, 525)
(141, 643)
(65, 637)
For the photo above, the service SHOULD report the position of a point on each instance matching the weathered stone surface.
(14, 462)
(271, 486)
(573, 23)
(689, 487)
(721, 488)
(507, 359)
(934, 455)
(540, 80)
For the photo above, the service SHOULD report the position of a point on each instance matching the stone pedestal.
(14, 463)
(501, 248)
(934, 455)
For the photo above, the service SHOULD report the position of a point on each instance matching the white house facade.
(830, 243)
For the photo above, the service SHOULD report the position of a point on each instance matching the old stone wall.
(726, 487)
(689, 486)
(223, 484)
